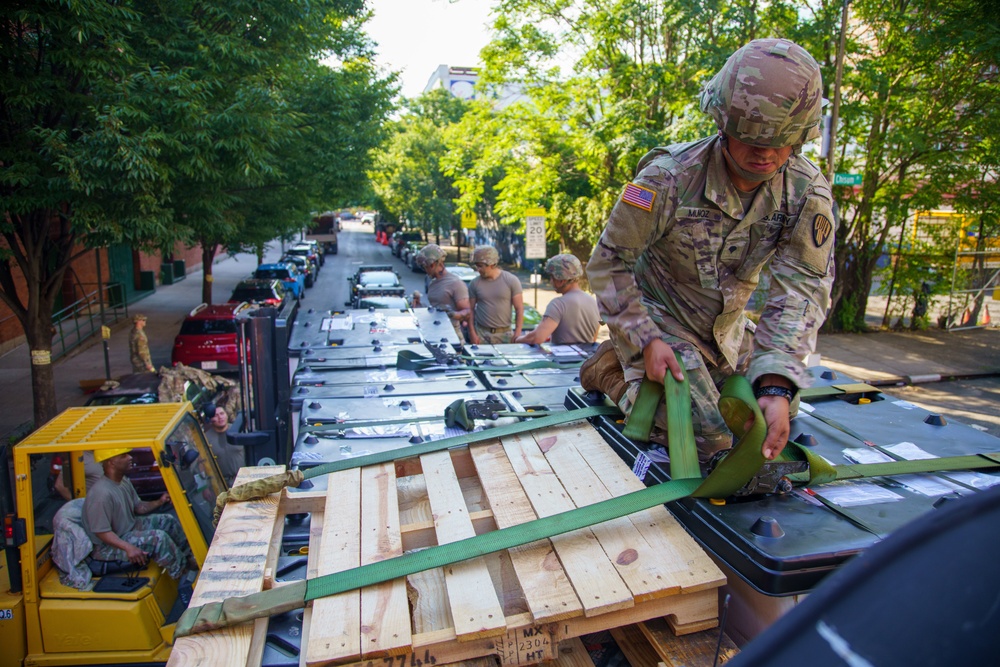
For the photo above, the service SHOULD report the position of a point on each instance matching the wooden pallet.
(517, 604)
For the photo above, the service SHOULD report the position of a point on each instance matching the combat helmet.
(564, 267)
(769, 93)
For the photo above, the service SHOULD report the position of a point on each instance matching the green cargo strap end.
(408, 360)
(236, 610)
(457, 415)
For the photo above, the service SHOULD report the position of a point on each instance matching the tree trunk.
(43, 388)
(208, 251)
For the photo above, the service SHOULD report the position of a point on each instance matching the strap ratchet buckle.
(770, 478)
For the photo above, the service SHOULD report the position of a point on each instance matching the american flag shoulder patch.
(639, 197)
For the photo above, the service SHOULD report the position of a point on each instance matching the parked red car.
(208, 339)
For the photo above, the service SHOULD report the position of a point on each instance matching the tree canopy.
(149, 123)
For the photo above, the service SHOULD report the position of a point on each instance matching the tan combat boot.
(603, 372)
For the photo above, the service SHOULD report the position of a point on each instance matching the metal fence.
(77, 322)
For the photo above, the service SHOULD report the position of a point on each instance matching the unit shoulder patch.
(822, 229)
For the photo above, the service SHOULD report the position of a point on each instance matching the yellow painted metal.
(62, 626)
(12, 626)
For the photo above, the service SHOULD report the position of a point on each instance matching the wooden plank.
(475, 609)
(385, 617)
(544, 583)
(597, 584)
(572, 653)
(694, 650)
(334, 633)
(638, 564)
(234, 566)
(686, 561)
(635, 647)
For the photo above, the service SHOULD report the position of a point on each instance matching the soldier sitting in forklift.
(121, 526)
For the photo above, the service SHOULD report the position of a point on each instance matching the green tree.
(144, 123)
(913, 89)
(637, 69)
(408, 176)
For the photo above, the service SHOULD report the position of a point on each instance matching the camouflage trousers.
(710, 430)
(499, 338)
(160, 536)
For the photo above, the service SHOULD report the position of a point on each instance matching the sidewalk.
(165, 309)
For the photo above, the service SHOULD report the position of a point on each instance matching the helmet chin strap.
(751, 176)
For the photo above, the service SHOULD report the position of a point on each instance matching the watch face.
(462, 89)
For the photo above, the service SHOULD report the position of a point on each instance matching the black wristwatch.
(774, 390)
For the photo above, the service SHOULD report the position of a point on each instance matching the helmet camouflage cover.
(487, 255)
(430, 254)
(564, 267)
(769, 93)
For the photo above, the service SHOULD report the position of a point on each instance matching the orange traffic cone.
(966, 318)
(986, 319)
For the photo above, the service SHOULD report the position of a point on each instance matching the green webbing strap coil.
(735, 471)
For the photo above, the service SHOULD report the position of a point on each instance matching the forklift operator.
(114, 519)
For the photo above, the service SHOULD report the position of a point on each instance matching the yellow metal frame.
(93, 429)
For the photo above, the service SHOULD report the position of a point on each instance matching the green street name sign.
(847, 179)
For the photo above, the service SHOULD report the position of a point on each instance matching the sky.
(415, 36)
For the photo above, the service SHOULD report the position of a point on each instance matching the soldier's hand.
(659, 357)
(775, 409)
(136, 555)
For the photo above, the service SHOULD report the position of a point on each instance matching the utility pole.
(835, 112)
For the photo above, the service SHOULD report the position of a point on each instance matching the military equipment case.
(784, 545)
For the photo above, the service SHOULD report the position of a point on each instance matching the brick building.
(119, 273)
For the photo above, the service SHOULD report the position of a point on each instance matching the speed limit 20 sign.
(534, 233)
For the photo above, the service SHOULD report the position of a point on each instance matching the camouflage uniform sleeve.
(629, 231)
(801, 279)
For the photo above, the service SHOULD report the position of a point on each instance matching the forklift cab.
(101, 616)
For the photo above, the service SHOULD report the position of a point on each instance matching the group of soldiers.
(673, 271)
(492, 306)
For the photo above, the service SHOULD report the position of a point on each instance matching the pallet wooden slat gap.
(546, 588)
(475, 609)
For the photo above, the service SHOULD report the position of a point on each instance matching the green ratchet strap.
(409, 360)
(731, 474)
(554, 419)
(737, 405)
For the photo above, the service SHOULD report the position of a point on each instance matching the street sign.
(534, 233)
(468, 220)
(847, 179)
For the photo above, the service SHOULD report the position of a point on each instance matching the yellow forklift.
(44, 621)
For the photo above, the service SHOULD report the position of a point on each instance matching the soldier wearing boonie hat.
(686, 242)
(492, 297)
(445, 290)
(138, 346)
(572, 317)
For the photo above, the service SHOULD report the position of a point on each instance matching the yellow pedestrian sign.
(469, 220)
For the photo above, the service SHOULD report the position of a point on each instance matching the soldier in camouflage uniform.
(113, 518)
(685, 244)
(138, 346)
